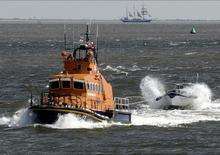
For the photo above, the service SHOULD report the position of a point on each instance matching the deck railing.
(121, 103)
(66, 101)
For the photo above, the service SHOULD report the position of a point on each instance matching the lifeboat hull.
(49, 115)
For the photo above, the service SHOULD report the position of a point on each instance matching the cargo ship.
(80, 89)
(137, 16)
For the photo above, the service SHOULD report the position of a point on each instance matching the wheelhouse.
(66, 83)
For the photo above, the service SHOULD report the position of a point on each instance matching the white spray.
(199, 95)
(71, 121)
(203, 110)
(151, 88)
(21, 118)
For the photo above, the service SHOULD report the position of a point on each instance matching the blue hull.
(136, 20)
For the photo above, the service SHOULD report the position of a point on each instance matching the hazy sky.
(109, 9)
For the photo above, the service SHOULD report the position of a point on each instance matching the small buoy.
(193, 30)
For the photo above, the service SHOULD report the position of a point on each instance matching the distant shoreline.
(84, 21)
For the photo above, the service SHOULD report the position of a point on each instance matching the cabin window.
(93, 87)
(90, 86)
(101, 90)
(78, 85)
(97, 88)
(89, 69)
(87, 86)
(54, 85)
(66, 84)
(79, 67)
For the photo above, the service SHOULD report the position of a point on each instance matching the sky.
(108, 10)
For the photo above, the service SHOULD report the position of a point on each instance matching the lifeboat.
(80, 89)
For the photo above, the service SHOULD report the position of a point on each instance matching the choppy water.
(141, 61)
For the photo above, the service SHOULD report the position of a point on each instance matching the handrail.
(74, 100)
(121, 103)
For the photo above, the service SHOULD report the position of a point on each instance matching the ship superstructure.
(137, 16)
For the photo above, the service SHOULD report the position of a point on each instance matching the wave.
(202, 97)
(24, 118)
(115, 69)
(123, 69)
(21, 118)
(145, 112)
(191, 53)
(202, 108)
(173, 118)
(141, 117)
(171, 43)
(71, 121)
(152, 88)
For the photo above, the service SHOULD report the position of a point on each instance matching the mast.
(97, 34)
(73, 46)
(87, 33)
(134, 10)
(197, 77)
(144, 11)
(64, 36)
(126, 12)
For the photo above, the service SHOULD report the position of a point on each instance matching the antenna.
(97, 35)
(87, 33)
(73, 46)
(90, 25)
(197, 77)
(64, 35)
(31, 98)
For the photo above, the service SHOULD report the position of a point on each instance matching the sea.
(141, 61)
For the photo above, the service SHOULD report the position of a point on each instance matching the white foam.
(173, 118)
(173, 43)
(21, 118)
(201, 96)
(4, 120)
(143, 116)
(191, 53)
(151, 88)
(202, 107)
(149, 112)
(134, 68)
(71, 121)
(115, 69)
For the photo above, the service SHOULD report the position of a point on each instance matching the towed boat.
(80, 89)
(173, 96)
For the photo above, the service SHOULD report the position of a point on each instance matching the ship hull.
(49, 115)
(136, 20)
(174, 107)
